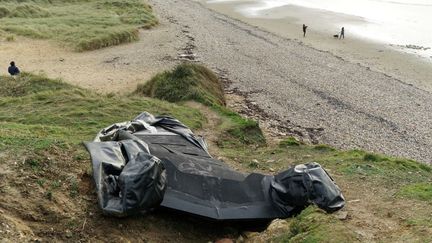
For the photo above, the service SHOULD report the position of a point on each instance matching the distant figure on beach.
(13, 70)
(304, 30)
(342, 34)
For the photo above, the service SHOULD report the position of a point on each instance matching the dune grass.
(39, 112)
(420, 191)
(185, 82)
(314, 225)
(80, 24)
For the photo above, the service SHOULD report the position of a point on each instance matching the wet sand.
(409, 67)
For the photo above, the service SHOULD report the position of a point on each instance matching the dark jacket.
(13, 70)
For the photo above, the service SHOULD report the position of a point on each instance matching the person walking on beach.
(304, 30)
(13, 70)
(342, 34)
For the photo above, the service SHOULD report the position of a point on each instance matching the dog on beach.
(336, 36)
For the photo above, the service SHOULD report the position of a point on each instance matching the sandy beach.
(370, 97)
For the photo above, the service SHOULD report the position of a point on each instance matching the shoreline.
(410, 68)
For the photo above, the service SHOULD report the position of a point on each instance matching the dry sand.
(318, 95)
(116, 69)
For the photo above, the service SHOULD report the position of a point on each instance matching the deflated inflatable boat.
(153, 162)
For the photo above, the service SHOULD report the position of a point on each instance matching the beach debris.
(354, 201)
(153, 162)
(112, 60)
(415, 47)
(341, 215)
(188, 51)
(189, 57)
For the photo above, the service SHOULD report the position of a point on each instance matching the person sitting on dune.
(13, 70)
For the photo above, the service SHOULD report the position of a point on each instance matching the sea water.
(403, 23)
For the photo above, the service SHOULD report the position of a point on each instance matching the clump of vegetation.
(324, 147)
(186, 82)
(238, 129)
(112, 38)
(420, 191)
(314, 225)
(30, 84)
(290, 141)
(4, 12)
(134, 12)
(83, 25)
(192, 82)
(10, 38)
(27, 10)
(373, 157)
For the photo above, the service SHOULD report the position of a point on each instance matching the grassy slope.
(47, 189)
(81, 24)
(52, 110)
(45, 172)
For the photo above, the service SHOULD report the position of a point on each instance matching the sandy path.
(115, 69)
(335, 101)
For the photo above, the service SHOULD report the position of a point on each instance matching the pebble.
(341, 215)
(68, 234)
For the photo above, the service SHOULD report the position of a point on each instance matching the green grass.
(29, 84)
(420, 191)
(82, 25)
(238, 130)
(290, 141)
(356, 164)
(313, 225)
(37, 112)
(192, 82)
